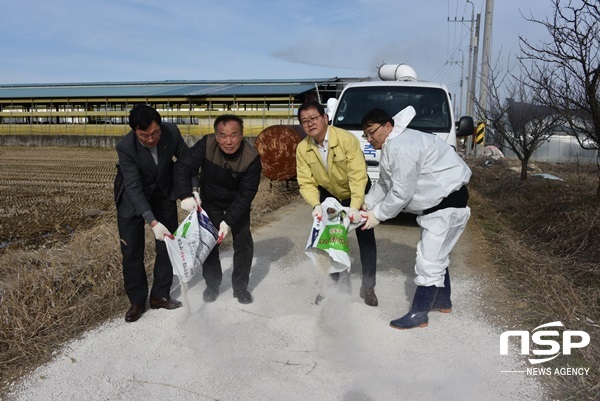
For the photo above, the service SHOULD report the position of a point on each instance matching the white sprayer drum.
(397, 72)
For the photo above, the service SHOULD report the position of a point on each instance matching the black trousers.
(366, 243)
(243, 251)
(133, 239)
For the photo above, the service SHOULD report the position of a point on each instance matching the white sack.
(194, 239)
(330, 235)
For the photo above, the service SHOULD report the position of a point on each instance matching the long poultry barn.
(96, 114)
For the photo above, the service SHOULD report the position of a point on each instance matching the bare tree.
(565, 71)
(518, 120)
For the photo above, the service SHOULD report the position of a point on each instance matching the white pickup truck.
(397, 89)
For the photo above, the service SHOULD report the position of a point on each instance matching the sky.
(66, 41)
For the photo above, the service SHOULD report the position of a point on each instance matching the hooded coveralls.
(418, 172)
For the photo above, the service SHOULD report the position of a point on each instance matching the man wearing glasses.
(230, 170)
(330, 163)
(144, 194)
(423, 175)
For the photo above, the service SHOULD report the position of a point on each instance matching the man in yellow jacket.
(330, 163)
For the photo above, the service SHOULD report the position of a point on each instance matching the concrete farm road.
(284, 347)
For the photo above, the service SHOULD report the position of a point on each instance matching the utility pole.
(472, 46)
(473, 77)
(469, 79)
(458, 106)
(462, 67)
(485, 62)
(472, 82)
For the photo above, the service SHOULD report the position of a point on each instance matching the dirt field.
(47, 193)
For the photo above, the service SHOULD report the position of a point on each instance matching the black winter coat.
(227, 182)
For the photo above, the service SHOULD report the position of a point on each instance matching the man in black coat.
(144, 194)
(230, 173)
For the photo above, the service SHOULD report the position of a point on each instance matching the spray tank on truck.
(397, 89)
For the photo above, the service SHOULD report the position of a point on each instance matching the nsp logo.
(540, 337)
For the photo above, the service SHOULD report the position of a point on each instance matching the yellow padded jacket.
(346, 174)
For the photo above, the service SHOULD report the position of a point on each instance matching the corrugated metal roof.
(161, 89)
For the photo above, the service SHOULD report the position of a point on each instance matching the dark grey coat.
(137, 174)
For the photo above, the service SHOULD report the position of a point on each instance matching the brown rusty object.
(277, 147)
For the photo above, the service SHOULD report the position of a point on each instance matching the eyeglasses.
(368, 135)
(310, 120)
(146, 137)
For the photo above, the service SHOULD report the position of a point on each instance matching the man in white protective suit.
(423, 175)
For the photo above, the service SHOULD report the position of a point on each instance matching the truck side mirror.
(466, 126)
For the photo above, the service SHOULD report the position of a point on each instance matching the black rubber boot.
(442, 302)
(417, 316)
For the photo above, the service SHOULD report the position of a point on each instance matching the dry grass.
(546, 240)
(50, 295)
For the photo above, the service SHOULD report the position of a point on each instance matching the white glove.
(160, 231)
(371, 221)
(364, 207)
(354, 215)
(189, 204)
(318, 212)
(223, 231)
(197, 198)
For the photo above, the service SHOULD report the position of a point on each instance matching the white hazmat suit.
(417, 171)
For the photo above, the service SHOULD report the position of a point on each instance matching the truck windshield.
(431, 105)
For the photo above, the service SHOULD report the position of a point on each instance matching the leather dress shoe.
(243, 296)
(166, 303)
(210, 294)
(134, 312)
(368, 294)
